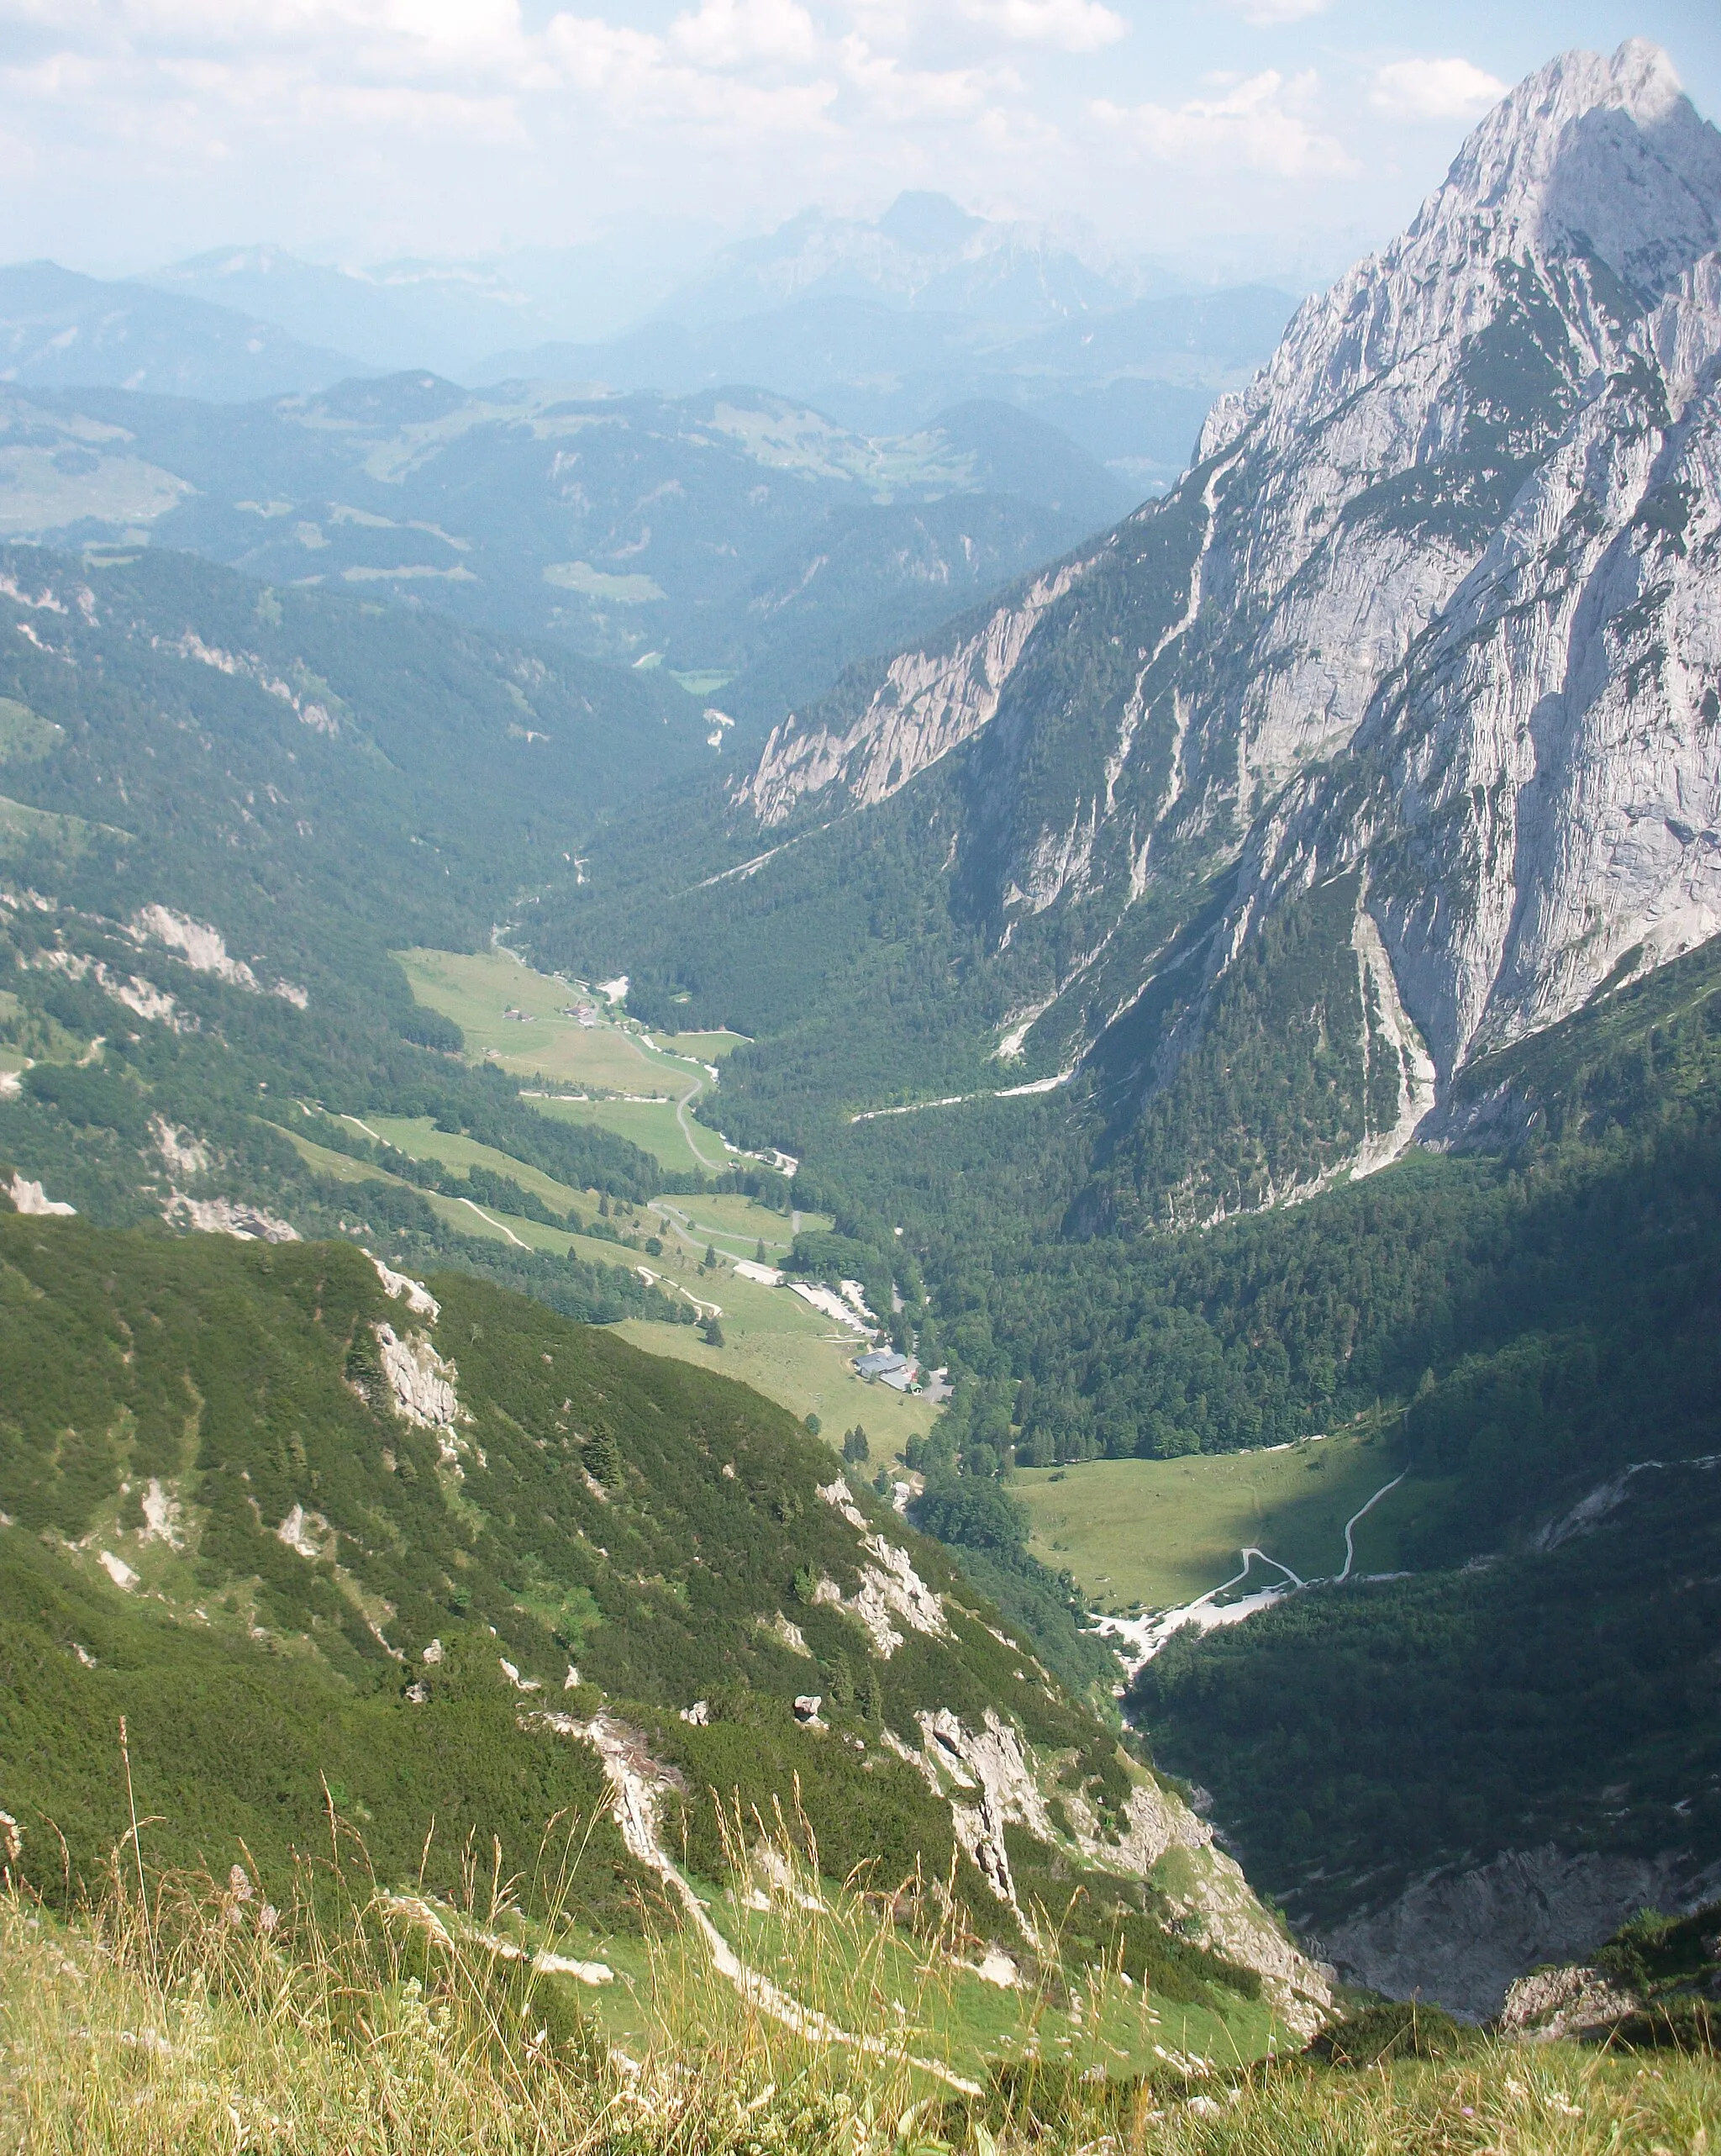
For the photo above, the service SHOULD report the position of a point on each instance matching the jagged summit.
(1590, 162)
(1429, 627)
(1593, 156)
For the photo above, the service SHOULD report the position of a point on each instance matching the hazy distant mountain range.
(881, 324)
(724, 533)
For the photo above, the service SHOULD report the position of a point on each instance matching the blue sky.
(133, 132)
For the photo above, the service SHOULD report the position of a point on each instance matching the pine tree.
(604, 1458)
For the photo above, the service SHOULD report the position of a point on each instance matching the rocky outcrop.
(28, 1197)
(992, 1781)
(890, 1589)
(990, 1762)
(928, 703)
(422, 1387)
(195, 944)
(1435, 607)
(1573, 2001)
(418, 1297)
(226, 1217)
(1463, 1938)
(1536, 797)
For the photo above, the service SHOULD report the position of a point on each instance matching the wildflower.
(239, 1884)
(268, 1916)
(11, 1838)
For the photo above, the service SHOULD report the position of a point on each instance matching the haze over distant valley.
(860, 1078)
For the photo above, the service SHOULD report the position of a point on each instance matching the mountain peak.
(1592, 155)
(928, 223)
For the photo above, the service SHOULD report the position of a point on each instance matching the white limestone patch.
(204, 949)
(163, 1521)
(422, 1383)
(308, 1533)
(142, 997)
(890, 1587)
(786, 1633)
(183, 1154)
(928, 702)
(116, 1569)
(28, 1197)
(225, 1216)
(419, 1300)
(199, 946)
(991, 1765)
(1558, 2003)
(248, 666)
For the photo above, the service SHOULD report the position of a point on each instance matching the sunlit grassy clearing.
(419, 1139)
(704, 1047)
(1162, 1532)
(736, 1224)
(772, 1340)
(475, 989)
(841, 1962)
(652, 1126)
(790, 1358)
(339, 1167)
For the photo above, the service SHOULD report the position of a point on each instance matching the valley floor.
(526, 1022)
(1156, 1534)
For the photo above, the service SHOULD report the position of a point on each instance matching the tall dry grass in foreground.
(186, 2014)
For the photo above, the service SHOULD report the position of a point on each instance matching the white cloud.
(744, 33)
(1433, 90)
(895, 96)
(139, 130)
(1265, 15)
(1261, 124)
(1070, 25)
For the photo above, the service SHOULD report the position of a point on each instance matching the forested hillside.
(740, 538)
(442, 1558)
(227, 807)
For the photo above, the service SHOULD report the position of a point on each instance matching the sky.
(137, 132)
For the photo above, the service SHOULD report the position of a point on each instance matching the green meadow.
(771, 1340)
(1158, 1533)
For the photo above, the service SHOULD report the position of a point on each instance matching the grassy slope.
(189, 1407)
(323, 2047)
(772, 1339)
(1160, 1532)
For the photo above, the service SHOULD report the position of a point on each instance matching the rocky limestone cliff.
(927, 703)
(1466, 1937)
(994, 1781)
(1535, 797)
(1434, 607)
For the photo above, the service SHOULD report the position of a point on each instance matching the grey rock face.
(1535, 796)
(1436, 607)
(1462, 1937)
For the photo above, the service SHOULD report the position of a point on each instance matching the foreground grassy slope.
(321, 1542)
(352, 2026)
